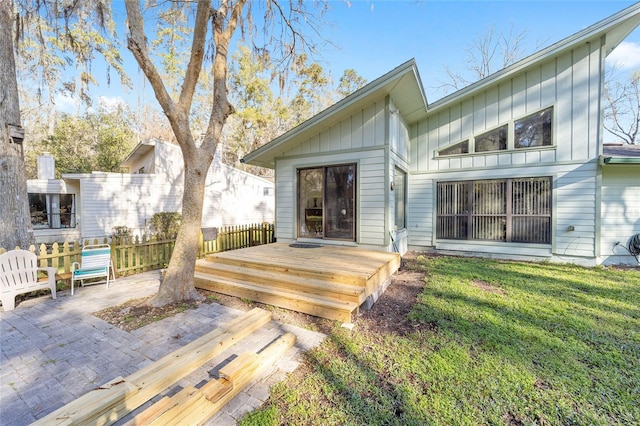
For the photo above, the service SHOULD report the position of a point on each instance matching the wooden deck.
(326, 281)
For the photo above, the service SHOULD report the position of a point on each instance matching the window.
(52, 211)
(533, 130)
(459, 148)
(508, 210)
(495, 140)
(400, 196)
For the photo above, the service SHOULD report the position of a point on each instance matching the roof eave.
(138, 151)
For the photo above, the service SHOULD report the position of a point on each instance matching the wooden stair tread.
(337, 271)
(258, 275)
(350, 259)
(309, 297)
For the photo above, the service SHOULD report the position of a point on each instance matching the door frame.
(299, 208)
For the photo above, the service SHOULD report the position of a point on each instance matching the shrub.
(121, 232)
(165, 225)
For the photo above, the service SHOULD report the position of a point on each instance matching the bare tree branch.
(197, 54)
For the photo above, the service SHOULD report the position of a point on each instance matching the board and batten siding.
(362, 138)
(363, 130)
(569, 84)
(399, 142)
(620, 212)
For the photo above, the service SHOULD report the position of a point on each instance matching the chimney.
(46, 166)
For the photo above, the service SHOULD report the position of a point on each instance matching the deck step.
(308, 303)
(283, 281)
(303, 268)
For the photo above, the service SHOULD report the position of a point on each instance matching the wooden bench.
(19, 275)
(95, 262)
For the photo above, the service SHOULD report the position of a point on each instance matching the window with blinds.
(507, 210)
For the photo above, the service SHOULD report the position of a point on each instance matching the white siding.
(109, 200)
(370, 193)
(573, 92)
(620, 212)
(574, 205)
(570, 84)
(56, 186)
(365, 138)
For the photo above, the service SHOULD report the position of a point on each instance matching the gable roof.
(402, 84)
(139, 151)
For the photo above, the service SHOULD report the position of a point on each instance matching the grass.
(494, 343)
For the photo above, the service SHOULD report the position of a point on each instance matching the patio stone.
(54, 351)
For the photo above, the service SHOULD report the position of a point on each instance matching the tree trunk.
(178, 283)
(15, 221)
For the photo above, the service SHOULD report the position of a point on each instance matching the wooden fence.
(135, 255)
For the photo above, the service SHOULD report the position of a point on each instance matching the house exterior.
(90, 205)
(510, 166)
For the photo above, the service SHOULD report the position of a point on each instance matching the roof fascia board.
(594, 31)
(137, 151)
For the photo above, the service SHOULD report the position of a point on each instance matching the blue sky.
(376, 36)
(373, 37)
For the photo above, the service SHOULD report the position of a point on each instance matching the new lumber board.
(215, 394)
(333, 309)
(241, 365)
(107, 395)
(286, 280)
(136, 389)
(267, 357)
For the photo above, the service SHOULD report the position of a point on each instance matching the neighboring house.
(509, 166)
(90, 205)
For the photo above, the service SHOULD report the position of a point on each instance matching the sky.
(376, 36)
(373, 37)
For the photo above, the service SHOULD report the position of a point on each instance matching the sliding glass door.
(326, 202)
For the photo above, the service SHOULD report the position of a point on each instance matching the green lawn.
(494, 343)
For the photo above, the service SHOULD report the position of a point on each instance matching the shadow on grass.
(575, 329)
(494, 343)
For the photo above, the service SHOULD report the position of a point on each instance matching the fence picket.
(143, 254)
